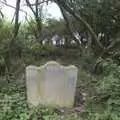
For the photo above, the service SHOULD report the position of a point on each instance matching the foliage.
(52, 25)
(13, 104)
(108, 87)
(101, 20)
(5, 35)
(103, 91)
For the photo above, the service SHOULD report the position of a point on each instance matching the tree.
(89, 14)
(37, 12)
(96, 20)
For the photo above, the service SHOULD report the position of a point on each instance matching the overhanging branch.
(79, 18)
(68, 24)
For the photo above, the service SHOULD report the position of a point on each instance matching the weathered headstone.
(51, 84)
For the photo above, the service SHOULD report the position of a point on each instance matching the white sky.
(52, 9)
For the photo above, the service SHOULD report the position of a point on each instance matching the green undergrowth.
(101, 101)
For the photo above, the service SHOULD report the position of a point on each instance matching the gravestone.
(51, 84)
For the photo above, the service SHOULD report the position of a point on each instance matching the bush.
(5, 36)
(108, 88)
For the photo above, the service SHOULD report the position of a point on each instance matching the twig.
(12, 6)
(29, 5)
(1, 14)
(44, 1)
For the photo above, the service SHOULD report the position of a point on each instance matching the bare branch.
(2, 15)
(44, 1)
(5, 3)
(13, 18)
(29, 5)
(36, 8)
(16, 29)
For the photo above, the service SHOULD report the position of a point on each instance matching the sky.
(52, 10)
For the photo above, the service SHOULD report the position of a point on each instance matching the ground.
(14, 101)
(13, 98)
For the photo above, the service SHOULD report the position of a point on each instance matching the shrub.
(108, 88)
